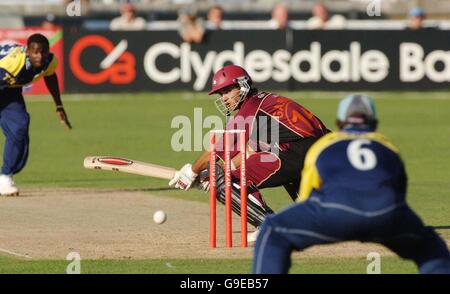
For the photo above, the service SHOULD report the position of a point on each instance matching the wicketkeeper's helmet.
(357, 110)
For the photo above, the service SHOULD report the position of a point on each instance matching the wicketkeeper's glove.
(183, 178)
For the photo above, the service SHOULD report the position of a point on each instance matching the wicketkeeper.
(353, 188)
(279, 131)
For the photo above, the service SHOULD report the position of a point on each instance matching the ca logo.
(118, 66)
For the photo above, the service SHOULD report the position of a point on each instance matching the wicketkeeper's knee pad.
(256, 208)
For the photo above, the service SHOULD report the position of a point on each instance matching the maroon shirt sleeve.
(296, 121)
(293, 116)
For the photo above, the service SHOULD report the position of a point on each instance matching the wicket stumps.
(228, 183)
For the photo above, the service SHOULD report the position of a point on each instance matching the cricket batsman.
(20, 66)
(279, 131)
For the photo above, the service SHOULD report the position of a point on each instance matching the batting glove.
(183, 178)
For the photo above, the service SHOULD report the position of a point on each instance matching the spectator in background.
(192, 28)
(321, 20)
(215, 17)
(49, 22)
(127, 21)
(280, 17)
(416, 18)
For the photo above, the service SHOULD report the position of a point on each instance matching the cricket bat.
(125, 165)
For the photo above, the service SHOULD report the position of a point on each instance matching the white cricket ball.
(159, 217)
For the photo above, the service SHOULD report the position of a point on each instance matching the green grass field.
(390, 265)
(138, 126)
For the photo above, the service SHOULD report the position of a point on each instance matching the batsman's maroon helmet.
(227, 76)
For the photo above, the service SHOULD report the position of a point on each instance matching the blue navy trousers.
(315, 222)
(15, 121)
